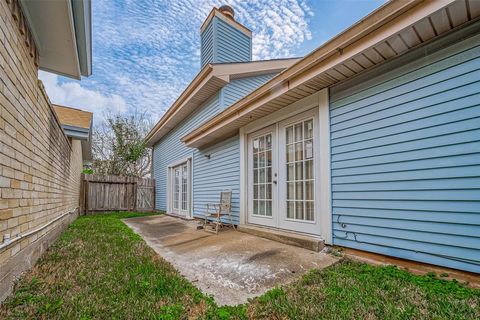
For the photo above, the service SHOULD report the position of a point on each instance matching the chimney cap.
(228, 11)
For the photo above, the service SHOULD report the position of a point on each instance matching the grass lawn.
(100, 269)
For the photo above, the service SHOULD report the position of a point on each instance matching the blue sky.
(146, 52)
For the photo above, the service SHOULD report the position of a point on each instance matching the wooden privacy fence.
(114, 193)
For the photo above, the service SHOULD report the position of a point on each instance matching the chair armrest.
(215, 206)
(212, 209)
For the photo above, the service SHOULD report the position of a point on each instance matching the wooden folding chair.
(217, 211)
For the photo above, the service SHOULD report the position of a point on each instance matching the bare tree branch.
(119, 148)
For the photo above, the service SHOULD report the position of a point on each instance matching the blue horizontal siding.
(210, 176)
(170, 149)
(206, 45)
(221, 43)
(217, 173)
(239, 88)
(405, 148)
(232, 44)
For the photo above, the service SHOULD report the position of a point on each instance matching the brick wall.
(39, 167)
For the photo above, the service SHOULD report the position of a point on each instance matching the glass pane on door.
(299, 171)
(176, 189)
(262, 175)
(184, 187)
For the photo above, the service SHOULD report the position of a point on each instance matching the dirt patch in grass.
(100, 269)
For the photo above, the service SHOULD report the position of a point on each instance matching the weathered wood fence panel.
(114, 193)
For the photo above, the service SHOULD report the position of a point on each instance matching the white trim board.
(291, 110)
(176, 163)
(319, 99)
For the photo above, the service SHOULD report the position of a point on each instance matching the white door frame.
(323, 193)
(170, 183)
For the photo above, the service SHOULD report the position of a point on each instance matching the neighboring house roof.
(77, 124)
(74, 117)
(62, 33)
(209, 81)
(390, 31)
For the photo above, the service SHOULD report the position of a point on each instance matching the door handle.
(274, 181)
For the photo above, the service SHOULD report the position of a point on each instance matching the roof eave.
(75, 132)
(377, 26)
(205, 72)
(221, 74)
(62, 35)
(82, 14)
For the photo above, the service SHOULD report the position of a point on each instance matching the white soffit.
(52, 26)
(409, 30)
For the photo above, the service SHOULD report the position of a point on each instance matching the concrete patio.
(231, 266)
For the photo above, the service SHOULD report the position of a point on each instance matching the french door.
(180, 189)
(283, 176)
(262, 177)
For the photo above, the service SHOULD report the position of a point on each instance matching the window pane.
(291, 191)
(309, 169)
(269, 175)
(261, 207)
(289, 134)
(255, 160)
(299, 171)
(255, 191)
(255, 175)
(309, 190)
(290, 210)
(309, 211)
(268, 158)
(298, 132)
(298, 151)
(268, 141)
(261, 192)
(268, 209)
(290, 172)
(269, 191)
(255, 206)
(299, 210)
(261, 178)
(308, 149)
(255, 145)
(308, 127)
(261, 144)
(261, 159)
(298, 190)
(290, 153)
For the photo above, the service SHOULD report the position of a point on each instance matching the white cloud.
(278, 26)
(72, 94)
(145, 53)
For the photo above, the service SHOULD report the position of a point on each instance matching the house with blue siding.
(370, 142)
